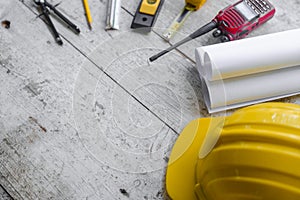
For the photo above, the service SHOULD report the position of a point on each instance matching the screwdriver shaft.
(201, 31)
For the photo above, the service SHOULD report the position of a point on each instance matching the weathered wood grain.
(92, 119)
(170, 88)
(119, 43)
(3, 194)
(44, 153)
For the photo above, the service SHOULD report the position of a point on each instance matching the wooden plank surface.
(43, 153)
(93, 119)
(3, 194)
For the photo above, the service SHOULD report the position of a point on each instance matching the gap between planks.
(110, 77)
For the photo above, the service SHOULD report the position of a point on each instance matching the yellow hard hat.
(254, 154)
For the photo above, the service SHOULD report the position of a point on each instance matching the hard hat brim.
(180, 176)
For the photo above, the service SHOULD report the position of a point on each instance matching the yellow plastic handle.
(195, 3)
(149, 6)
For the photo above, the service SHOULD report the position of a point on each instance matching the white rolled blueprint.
(250, 55)
(249, 71)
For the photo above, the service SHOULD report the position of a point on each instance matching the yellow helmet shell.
(256, 156)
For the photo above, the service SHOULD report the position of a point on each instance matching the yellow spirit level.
(190, 6)
(195, 4)
(146, 14)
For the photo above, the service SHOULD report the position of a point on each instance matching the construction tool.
(45, 9)
(146, 14)
(112, 14)
(190, 6)
(234, 22)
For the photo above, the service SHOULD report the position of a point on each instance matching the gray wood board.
(93, 117)
(45, 151)
(3, 194)
(103, 50)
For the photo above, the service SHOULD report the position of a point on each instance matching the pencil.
(88, 13)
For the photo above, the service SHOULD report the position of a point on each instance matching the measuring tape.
(190, 6)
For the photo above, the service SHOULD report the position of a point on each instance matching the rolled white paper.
(249, 56)
(255, 88)
(250, 71)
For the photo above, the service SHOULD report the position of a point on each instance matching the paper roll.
(249, 56)
(245, 90)
(250, 71)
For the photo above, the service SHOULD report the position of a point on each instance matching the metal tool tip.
(152, 58)
(90, 26)
(158, 55)
(167, 36)
(59, 41)
(148, 62)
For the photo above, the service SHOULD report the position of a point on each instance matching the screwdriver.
(201, 31)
